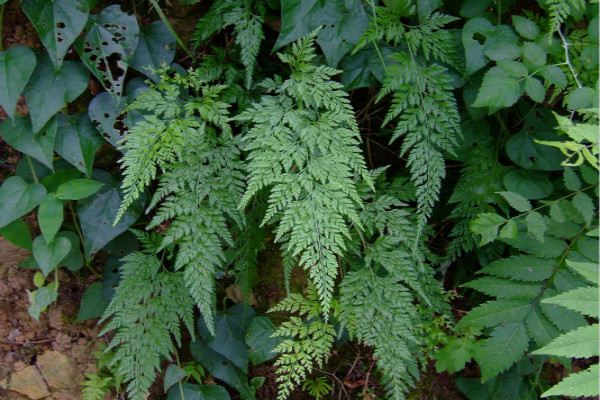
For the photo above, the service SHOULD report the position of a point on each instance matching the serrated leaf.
(155, 48)
(571, 179)
(584, 204)
(494, 313)
(564, 319)
(58, 23)
(536, 225)
(584, 383)
(580, 343)
(521, 268)
(16, 66)
(540, 329)
(586, 269)
(108, 46)
(49, 255)
(553, 75)
(525, 27)
(501, 50)
(19, 135)
(532, 185)
(516, 201)
(534, 54)
(48, 90)
(582, 98)
(506, 346)
(535, 90)
(50, 217)
(557, 213)
(498, 89)
(17, 198)
(454, 355)
(504, 288)
(77, 141)
(584, 300)
(548, 249)
(487, 225)
(510, 230)
(78, 189)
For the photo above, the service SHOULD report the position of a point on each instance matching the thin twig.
(565, 46)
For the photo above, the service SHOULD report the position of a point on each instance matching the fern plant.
(303, 147)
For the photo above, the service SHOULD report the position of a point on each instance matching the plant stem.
(565, 46)
(35, 178)
(165, 21)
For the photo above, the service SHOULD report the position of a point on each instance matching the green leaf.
(521, 268)
(16, 66)
(77, 141)
(525, 27)
(582, 342)
(584, 204)
(93, 303)
(506, 346)
(516, 201)
(509, 230)
(540, 329)
(504, 288)
(49, 255)
(199, 392)
(50, 217)
(108, 46)
(564, 319)
(554, 75)
(78, 189)
(584, 383)
(260, 340)
(475, 59)
(513, 68)
(534, 55)
(48, 90)
(53, 181)
(584, 300)
(17, 198)
(454, 355)
(536, 225)
(522, 149)
(40, 299)
(18, 134)
(58, 23)
(363, 69)
(582, 98)
(343, 23)
(156, 48)
(487, 225)
(17, 233)
(530, 184)
(571, 179)
(498, 89)
(74, 260)
(494, 313)
(535, 90)
(586, 269)
(173, 375)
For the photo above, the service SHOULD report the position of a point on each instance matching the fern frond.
(560, 10)
(95, 387)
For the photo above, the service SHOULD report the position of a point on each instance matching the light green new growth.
(304, 146)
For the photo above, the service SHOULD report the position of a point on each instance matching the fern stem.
(372, 3)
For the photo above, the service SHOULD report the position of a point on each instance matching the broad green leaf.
(584, 300)
(173, 375)
(199, 392)
(516, 201)
(521, 268)
(454, 355)
(504, 288)
(19, 135)
(17, 233)
(363, 69)
(474, 53)
(74, 260)
(522, 149)
(501, 50)
(108, 46)
(525, 27)
(78, 189)
(513, 68)
(260, 340)
(582, 98)
(510, 230)
(495, 313)
(557, 213)
(343, 23)
(586, 269)
(540, 329)
(77, 141)
(554, 75)
(16, 66)
(38, 279)
(535, 90)
(584, 204)
(564, 319)
(536, 225)
(498, 89)
(584, 383)
(50, 217)
(580, 343)
(48, 90)
(40, 299)
(53, 181)
(532, 185)
(505, 347)
(17, 198)
(548, 249)
(93, 303)
(487, 225)
(534, 55)
(58, 23)
(571, 179)
(49, 255)
(156, 48)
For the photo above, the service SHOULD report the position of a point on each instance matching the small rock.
(59, 370)
(29, 382)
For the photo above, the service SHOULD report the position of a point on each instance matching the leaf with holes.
(49, 90)
(156, 47)
(19, 135)
(77, 141)
(16, 66)
(108, 46)
(58, 23)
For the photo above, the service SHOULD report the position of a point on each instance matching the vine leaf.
(58, 23)
(77, 141)
(50, 217)
(17, 198)
(49, 255)
(156, 47)
(16, 66)
(18, 134)
(49, 90)
(108, 47)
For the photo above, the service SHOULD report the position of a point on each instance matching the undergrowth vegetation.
(420, 177)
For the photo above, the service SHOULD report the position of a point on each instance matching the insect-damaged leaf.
(108, 47)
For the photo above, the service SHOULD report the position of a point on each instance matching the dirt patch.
(26, 343)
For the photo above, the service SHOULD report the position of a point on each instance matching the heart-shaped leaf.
(74, 260)
(16, 66)
(49, 255)
(40, 299)
(17, 198)
(58, 23)
(17, 233)
(93, 303)
(108, 46)
(78, 189)
(50, 217)
(156, 47)
(18, 134)
(77, 141)
(48, 90)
